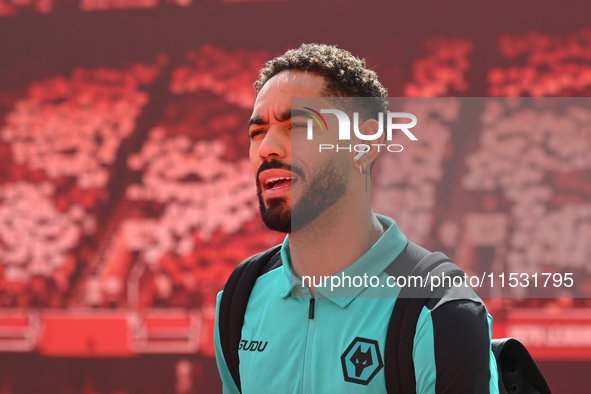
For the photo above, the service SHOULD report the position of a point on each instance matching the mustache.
(277, 164)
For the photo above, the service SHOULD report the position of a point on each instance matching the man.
(310, 341)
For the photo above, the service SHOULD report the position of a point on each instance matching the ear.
(371, 127)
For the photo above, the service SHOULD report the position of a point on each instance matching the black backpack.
(518, 373)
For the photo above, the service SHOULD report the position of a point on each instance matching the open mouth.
(276, 182)
(279, 182)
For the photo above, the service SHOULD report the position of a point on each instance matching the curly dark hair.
(346, 75)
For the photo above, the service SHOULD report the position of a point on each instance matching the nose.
(275, 144)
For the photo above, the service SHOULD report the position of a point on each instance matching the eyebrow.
(285, 115)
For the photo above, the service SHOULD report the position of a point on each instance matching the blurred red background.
(126, 197)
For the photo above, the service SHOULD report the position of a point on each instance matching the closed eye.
(255, 133)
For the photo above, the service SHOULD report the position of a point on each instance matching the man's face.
(292, 190)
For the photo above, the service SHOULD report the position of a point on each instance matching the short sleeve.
(452, 349)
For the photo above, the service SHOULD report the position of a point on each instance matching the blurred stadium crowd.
(102, 207)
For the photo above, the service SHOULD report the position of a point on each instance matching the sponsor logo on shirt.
(252, 346)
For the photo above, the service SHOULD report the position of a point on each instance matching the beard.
(320, 193)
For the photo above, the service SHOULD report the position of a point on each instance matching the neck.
(334, 240)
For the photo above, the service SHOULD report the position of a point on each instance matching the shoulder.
(452, 346)
(264, 255)
(460, 325)
(458, 310)
(256, 265)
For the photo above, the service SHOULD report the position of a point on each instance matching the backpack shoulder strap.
(412, 261)
(234, 301)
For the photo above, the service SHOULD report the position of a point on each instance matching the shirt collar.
(372, 263)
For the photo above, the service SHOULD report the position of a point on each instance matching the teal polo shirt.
(334, 342)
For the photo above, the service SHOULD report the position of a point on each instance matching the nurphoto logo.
(345, 129)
